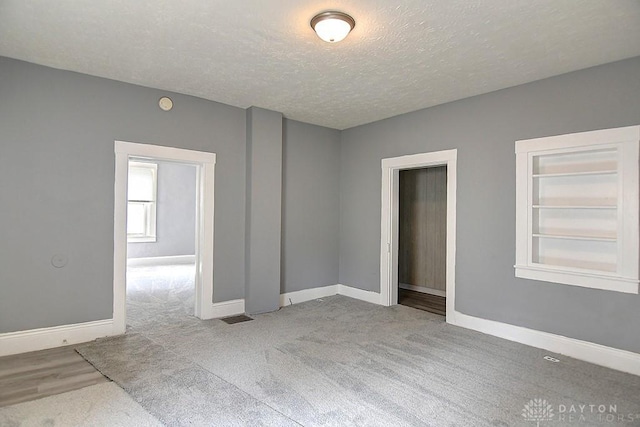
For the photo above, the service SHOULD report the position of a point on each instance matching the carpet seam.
(98, 369)
(120, 387)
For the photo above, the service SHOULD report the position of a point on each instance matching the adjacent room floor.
(157, 294)
(335, 361)
(422, 301)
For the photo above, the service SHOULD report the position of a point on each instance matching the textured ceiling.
(402, 56)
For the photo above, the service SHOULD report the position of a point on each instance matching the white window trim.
(150, 235)
(626, 141)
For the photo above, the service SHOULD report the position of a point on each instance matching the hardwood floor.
(422, 301)
(30, 376)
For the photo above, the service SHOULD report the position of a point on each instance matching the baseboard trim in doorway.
(56, 336)
(297, 297)
(621, 360)
(423, 289)
(161, 260)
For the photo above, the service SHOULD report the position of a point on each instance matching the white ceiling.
(402, 55)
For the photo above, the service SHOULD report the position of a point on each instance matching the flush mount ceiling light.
(332, 26)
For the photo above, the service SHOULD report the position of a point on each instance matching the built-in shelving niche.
(577, 209)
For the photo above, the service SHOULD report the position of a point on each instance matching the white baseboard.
(423, 289)
(357, 293)
(161, 260)
(224, 309)
(59, 336)
(308, 295)
(613, 358)
(56, 336)
(327, 291)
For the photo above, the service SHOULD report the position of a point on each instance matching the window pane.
(137, 219)
(141, 183)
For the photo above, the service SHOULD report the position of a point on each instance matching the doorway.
(204, 163)
(161, 229)
(390, 230)
(422, 238)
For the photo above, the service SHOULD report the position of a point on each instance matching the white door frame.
(391, 168)
(205, 163)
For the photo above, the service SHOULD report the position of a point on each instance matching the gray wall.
(310, 206)
(57, 172)
(175, 214)
(484, 129)
(57, 132)
(264, 210)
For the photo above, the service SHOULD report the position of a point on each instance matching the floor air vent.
(236, 319)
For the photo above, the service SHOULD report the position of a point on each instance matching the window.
(577, 209)
(141, 198)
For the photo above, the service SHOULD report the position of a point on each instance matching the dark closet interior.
(422, 237)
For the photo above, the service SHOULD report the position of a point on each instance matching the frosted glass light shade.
(332, 26)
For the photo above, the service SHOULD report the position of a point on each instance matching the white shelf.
(576, 174)
(572, 226)
(574, 207)
(569, 237)
(575, 267)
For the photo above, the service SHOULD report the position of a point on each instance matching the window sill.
(146, 239)
(579, 278)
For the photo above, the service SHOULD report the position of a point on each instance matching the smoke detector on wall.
(165, 103)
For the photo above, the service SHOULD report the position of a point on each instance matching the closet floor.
(421, 301)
